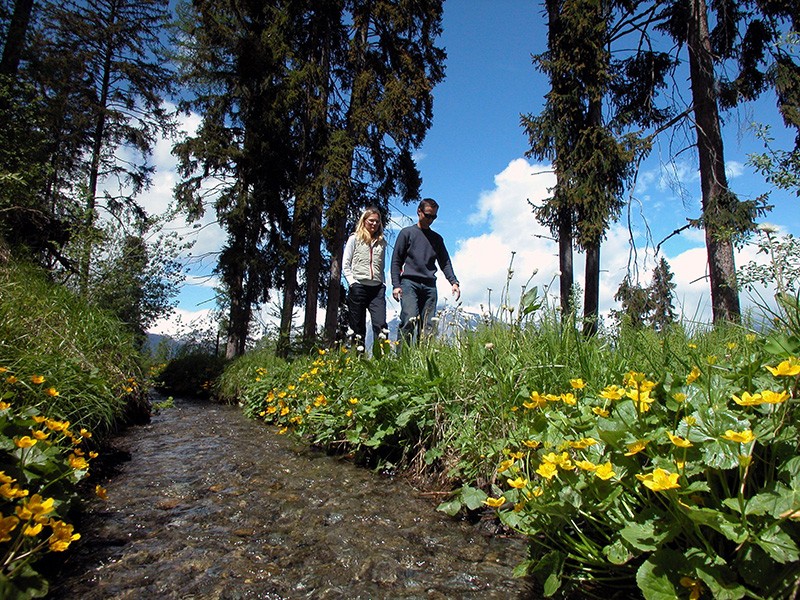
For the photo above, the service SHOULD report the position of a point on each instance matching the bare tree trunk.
(97, 150)
(337, 243)
(289, 290)
(591, 295)
(313, 270)
(565, 276)
(15, 39)
(718, 201)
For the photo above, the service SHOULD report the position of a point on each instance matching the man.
(416, 251)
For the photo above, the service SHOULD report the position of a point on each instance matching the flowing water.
(212, 505)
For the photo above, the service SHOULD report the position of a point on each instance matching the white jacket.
(363, 263)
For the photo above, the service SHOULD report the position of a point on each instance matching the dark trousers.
(417, 308)
(362, 298)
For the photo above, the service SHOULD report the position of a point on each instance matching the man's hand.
(397, 293)
(456, 291)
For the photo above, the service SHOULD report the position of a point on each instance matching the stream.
(212, 505)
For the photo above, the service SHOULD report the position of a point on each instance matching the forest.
(311, 110)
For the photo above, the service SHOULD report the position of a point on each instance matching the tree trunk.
(239, 321)
(313, 270)
(289, 290)
(591, 295)
(717, 198)
(334, 284)
(15, 40)
(565, 276)
(97, 149)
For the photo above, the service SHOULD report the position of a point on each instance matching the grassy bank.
(659, 462)
(69, 375)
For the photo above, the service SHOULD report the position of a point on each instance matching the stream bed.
(212, 505)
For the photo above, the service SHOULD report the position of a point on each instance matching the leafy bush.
(192, 374)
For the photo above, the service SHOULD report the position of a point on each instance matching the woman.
(363, 261)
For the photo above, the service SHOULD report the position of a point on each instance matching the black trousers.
(362, 298)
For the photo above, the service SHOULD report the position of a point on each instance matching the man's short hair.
(427, 203)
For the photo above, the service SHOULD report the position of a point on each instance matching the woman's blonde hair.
(362, 233)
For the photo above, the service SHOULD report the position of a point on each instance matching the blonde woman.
(362, 264)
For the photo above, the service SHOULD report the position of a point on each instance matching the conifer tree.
(234, 59)
(592, 155)
(744, 36)
(661, 292)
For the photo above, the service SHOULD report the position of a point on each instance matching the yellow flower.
(748, 399)
(40, 435)
(561, 460)
(547, 470)
(515, 455)
(569, 398)
(101, 492)
(353, 401)
(77, 462)
(62, 536)
(3, 370)
(57, 425)
(11, 379)
(711, 359)
(583, 443)
(679, 397)
(4, 405)
(282, 430)
(659, 480)
(11, 491)
(771, 397)
(731, 345)
(32, 530)
(537, 491)
(495, 502)
(531, 444)
(537, 401)
(679, 441)
(600, 412)
(505, 465)
(519, 482)
(577, 384)
(25, 441)
(284, 411)
(51, 391)
(690, 420)
(612, 392)
(37, 379)
(695, 587)
(693, 376)
(641, 398)
(7, 525)
(605, 471)
(349, 413)
(692, 346)
(743, 437)
(787, 368)
(636, 447)
(585, 465)
(35, 509)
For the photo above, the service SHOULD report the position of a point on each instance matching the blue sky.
(473, 163)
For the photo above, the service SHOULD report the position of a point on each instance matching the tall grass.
(87, 359)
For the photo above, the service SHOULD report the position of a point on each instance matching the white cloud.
(183, 321)
(482, 262)
(733, 169)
